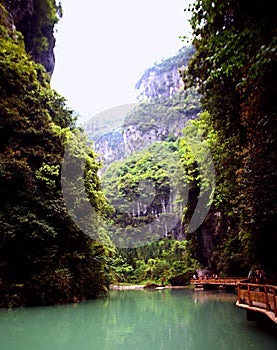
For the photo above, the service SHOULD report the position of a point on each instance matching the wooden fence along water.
(258, 298)
(252, 297)
(219, 282)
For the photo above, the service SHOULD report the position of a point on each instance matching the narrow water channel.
(137, 320)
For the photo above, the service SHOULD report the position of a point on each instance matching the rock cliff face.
(162, 112)
(163, 79)
(156, 83)
(35, 20)
(131, 137)
(207, 237)
(139, 135)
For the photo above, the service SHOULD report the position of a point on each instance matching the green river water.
(137, 320)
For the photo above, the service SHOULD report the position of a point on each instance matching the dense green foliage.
(234, 68)
(164, 258)
(44, 257)
(154, 194)
(167, 113)
(140, 190)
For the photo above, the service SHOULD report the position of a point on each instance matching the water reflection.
(137, 320)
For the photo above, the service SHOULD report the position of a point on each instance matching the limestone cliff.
(163, 110)
(163, 78)
(35, 20)
(145, 124)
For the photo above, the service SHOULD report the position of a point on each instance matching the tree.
(44, 257)
(235, 70)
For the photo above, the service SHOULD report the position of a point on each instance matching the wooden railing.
(251, 296)
(229, 281)
(258, 297)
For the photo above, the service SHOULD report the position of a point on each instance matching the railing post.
(249, 296)
(266, 298)
(274, 301)
(238, 286)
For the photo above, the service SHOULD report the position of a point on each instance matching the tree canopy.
(234, 68)
(44, 257)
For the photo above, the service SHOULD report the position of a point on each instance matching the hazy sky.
(104, 46)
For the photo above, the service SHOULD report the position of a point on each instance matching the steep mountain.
(163, 78)
(162, 111)
(141, 175)
(158, 119)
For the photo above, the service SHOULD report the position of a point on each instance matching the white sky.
(104, 46)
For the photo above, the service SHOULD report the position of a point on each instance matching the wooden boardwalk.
(253, 297)
(260, 298)
(217, 282)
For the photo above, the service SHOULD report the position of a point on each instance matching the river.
(137, 320)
